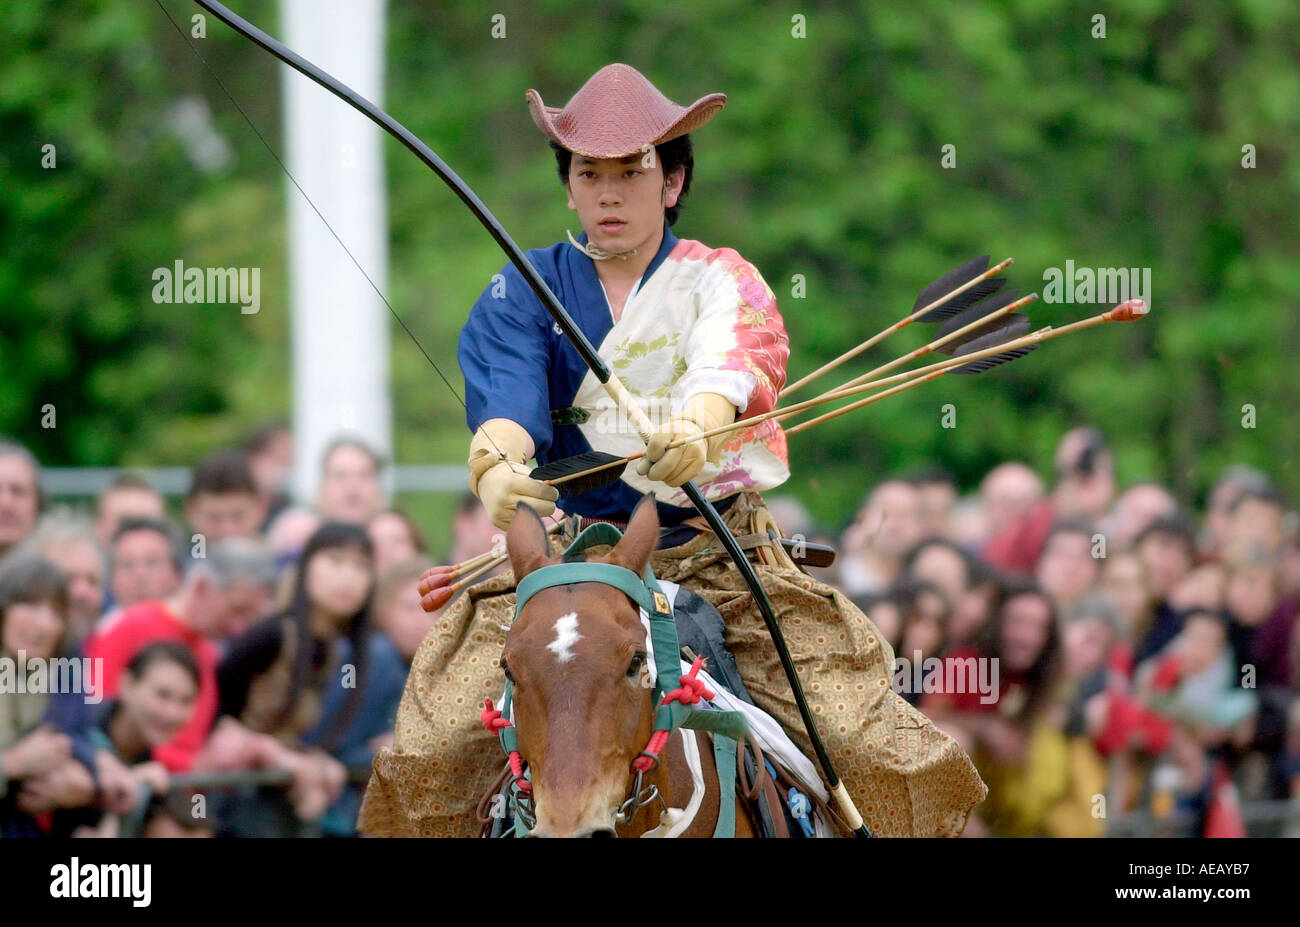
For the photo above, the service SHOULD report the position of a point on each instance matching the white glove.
(675, 466)
(498, 475)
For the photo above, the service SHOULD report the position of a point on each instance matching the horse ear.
(641, 537)
(527, 542)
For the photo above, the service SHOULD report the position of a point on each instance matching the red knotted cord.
(492, 720)
(691, 691)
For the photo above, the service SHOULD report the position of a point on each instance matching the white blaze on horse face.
(566, 635)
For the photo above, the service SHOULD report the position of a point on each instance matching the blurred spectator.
(938, 494)
(1135, 509)
(287, 535)
(1067, 567)
(128, 496)
(39, 768)
(68, 541)
(1085, 484)
(20, 494)
(1009, 492)
(270, 458)
(157, 692)
(314, 689)
(472, 531)
(1203, 588)
(887, 526)
(1256, 523)
(396, 539)
(1167, 549)
(224, 500)
(968, 523)
(1124, 581)
(1091, 634)
(397, 606)
(1041, 780)
(1231, 484)
(349, 489)
(196, 616)
(942, 564)
(250, 596)
(147, 562)
(1194, 682)
(975, 610)
(925, 612)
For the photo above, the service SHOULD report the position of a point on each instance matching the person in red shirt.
(1084, 488)
(196, 616)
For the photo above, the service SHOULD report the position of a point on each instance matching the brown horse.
(583, 705)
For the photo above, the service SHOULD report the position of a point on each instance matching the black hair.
(164, 652)
(263, 438)
(1041, 678)
(678, 152)
(376, 459)
(417, 536)
(28, 579)
(910, 558)
(1086, 464)
(1070, 525)
(129, 480)
(11, 448)
(1175, 526)
(223, 473)
(1269, 495)
(327, 536)
(174, 545)
(933, 474)
(1214, 615)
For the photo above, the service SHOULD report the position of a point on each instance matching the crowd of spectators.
(1096, 651)
(237, 634)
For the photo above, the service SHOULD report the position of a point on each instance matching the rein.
(674, 704)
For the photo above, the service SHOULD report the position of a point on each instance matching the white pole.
(340, 326)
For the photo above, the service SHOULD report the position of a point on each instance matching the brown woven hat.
(617, 112)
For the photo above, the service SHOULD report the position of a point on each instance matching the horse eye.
(638, 659)
(505, 668)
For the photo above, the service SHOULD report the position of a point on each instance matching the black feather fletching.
(576, 464)
(999, 331)
(963, 300)
(951, 280)
(974, 314)
(987, 363)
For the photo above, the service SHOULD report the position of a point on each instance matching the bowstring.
(267, 145)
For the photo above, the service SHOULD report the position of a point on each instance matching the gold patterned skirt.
(907, 778)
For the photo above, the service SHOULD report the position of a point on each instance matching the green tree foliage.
(1122, 151)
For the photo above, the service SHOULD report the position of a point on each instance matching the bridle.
(675, 705)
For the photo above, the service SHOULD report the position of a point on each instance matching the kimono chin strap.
(597, 253)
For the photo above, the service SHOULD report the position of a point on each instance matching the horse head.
(583, 696)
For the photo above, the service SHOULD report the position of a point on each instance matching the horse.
(583, 703)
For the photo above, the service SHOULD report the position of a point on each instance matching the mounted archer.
(696, 340)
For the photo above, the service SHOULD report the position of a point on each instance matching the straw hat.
(617, 112)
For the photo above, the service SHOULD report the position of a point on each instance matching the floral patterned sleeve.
(738, 345)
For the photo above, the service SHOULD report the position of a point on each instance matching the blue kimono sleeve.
(504, 353)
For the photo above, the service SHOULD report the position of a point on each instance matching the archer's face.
(620, 201)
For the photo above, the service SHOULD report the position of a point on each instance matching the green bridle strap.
(646, 592)
(724, 758)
